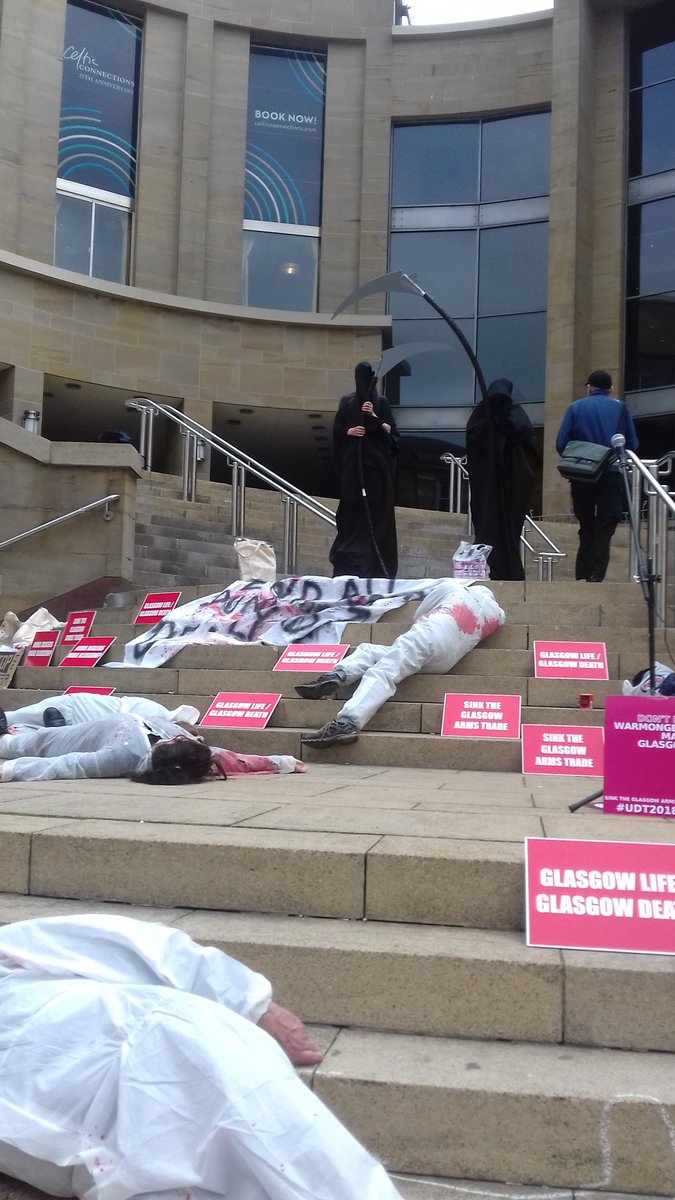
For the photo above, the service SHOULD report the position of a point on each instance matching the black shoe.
(342, 731)
(325, 687)
(53, 718)
(3, 722)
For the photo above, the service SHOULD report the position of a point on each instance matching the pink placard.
(563, 750)
(87, 652)
(570, 660)
(155, 606)
(93, 691)
(42, 648)
(640, 758)
(600, 895)
(479, 716)
(77, 626)
(310, 658)
(241, 710)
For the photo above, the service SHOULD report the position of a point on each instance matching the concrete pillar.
(572, 227)
(195, 157)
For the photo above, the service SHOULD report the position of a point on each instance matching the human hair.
(182, 760)
(602, 380)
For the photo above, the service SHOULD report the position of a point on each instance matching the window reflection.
(516, 157)
(512, 276)
(443, 378)
(72, 234)
(652, 145)
(651, 247)
(650, 342)
(652, 45)
(445, 262)
(435, 164)
(279, 271)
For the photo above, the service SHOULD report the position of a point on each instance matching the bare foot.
(289, 1031)
(300, 767)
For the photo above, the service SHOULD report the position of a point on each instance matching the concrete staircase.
(181, 543)
(383, 894)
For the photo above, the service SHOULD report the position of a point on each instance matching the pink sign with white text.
(310, 658)
(600, 895)
(87, 652)
(77, 626)
(570, 660)
(468, 715)
(563, 750)
(42, 648)
(241, 710)
(640, 758)
(155, 606)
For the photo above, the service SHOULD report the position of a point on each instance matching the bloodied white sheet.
(131, 1065)
(309, 609)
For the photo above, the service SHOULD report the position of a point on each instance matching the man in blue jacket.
(597, 506)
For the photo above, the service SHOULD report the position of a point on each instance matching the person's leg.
(326, 687)
(583, 503)
(610, 504)
(408, 654)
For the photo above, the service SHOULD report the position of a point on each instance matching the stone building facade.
(179, 325)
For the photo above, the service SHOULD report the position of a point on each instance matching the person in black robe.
(501, 465)
(365, 443)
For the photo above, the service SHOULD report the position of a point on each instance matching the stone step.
(437, 849)
(420, 979)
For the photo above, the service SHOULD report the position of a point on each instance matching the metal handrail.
(104, 502)
(660, 505)
(459, 478)
(543, 558)
(240, 463)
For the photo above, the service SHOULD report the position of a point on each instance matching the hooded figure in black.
(365, 441)
(501, 462)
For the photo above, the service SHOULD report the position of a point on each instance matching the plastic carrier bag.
(256, 560)
(470, 561)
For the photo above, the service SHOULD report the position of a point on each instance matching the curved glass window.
(515, 160)
(512, 275)
(445, 262)
(481, 252)
(435, 164)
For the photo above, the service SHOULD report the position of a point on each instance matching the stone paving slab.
(503, 827)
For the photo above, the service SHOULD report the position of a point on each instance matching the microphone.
(618, 442)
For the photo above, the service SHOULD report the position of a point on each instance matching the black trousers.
(597, 508)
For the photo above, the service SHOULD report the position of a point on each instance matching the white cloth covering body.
(452, 619)
(130, 1065)
(78, 707)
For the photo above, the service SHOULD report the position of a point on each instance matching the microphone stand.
(646, 579)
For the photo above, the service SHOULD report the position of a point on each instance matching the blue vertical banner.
(98, 132)
(284, 148)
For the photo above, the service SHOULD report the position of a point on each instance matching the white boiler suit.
(132, 1065)
(452, 619)
(79, 707)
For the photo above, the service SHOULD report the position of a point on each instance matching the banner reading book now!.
(584, 895)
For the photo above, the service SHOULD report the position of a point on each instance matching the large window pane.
(443, 378)
(279, 271)
(652, 44)
(72, 237)
(513, 269)
(516, 157)
(445, 264)
(435, 164)
(652, 126)
(111, 230)
(651, 247)
(650, 342)
(515, 347)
